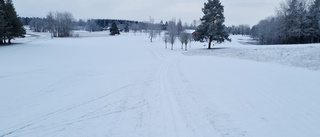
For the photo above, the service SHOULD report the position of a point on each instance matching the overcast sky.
(236, 11)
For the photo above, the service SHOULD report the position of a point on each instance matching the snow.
(126, 86)
(303, 56)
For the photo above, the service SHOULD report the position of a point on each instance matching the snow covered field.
(303, 56)
(125, 86)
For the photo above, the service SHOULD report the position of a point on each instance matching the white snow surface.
(125, 86)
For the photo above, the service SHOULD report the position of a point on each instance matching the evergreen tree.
(3, 22)
(15, 28)
(114, 29)
(212, 27)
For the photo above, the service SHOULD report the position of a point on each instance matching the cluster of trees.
(60, 24)
(39, 25)
(239, 30)
(42, 24)
(92, 25)
(10, 25)
(105, 24)
(211, 29)
(296, 22)
(155, 29)
(173, 30)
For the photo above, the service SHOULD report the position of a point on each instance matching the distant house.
(190, 31)
(106, 28)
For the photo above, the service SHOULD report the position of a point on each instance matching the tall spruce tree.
(3, 21)
(212, 26)
(15, 26)
(114, 29)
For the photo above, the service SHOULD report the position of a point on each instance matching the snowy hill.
(125, 86)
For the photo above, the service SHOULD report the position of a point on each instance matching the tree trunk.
(186, 46)
(171, 46)
(9, 41)
(210, 40)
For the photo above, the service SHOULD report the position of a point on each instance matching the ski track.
(52, 114)
(180, 113)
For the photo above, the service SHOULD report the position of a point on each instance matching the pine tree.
(212, 27)
(15, 25)
(3, 22)
(114, 29)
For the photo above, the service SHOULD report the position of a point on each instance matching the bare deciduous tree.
(50, 20)
(184, 39)
(61, 23)
(172, 31)
(152, 29)
(92, 26)
(166, 39)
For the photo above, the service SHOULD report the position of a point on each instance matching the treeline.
(59, 24)
(239, 30)
(10, 25)
(41, 24)
(296, 22)
(92, 25)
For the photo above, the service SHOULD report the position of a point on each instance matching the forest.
(295, 22)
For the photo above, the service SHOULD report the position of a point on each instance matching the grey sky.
(236, 11)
